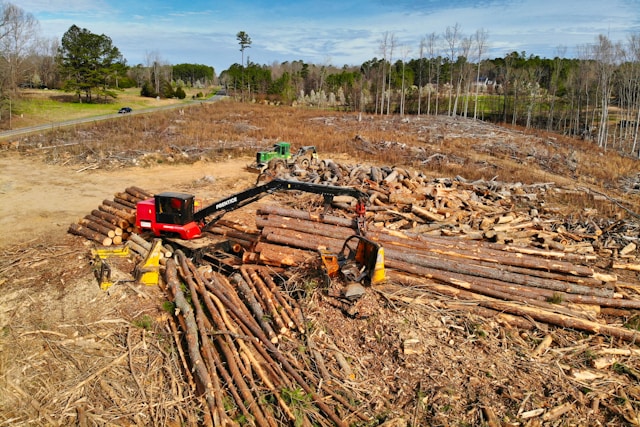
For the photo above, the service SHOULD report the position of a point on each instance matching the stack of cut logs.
(544, 285)
(113, 221)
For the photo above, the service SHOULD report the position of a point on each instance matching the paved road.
(57, 125)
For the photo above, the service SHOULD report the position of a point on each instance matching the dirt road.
(39, 199)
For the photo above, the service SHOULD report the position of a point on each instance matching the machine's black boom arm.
(240, 199)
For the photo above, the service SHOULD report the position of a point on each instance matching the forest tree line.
(595, 96)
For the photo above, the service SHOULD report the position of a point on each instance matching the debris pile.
(243, 337)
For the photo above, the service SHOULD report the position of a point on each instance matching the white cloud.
(348, 32)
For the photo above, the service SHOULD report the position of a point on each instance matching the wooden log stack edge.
(112, 221)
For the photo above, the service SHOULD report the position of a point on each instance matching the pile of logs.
(512, 213)
(545, 285)
(242, 336)
(242, 340)
(113, 221)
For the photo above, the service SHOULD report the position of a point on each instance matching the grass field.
(36, 107)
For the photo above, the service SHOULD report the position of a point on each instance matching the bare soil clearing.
(71, 353)
(38, 198)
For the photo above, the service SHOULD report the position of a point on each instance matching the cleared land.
(72, 353)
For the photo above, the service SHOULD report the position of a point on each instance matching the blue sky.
(346, 32)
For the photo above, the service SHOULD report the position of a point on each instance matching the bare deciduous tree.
(423, 43)
(432, 41)
(481, 37)
(605, 55)
(18, 37)
(384, 47)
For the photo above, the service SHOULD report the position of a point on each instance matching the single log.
(87, 233)
(98, 227)
(138, 193)
(129, 204)
(125, 215)
(426, 214)
(238, 226)
(301, 240)
(128, 197)
(119, 206)
(118, 222)
(242, 284)
(118, 231)
(626, 266)
(281, 256)
(295, 213)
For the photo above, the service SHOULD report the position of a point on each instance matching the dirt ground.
(71, 353)
(39, 199)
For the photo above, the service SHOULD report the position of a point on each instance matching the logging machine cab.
(169, 212)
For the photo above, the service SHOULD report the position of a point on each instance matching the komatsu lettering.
(226, 202)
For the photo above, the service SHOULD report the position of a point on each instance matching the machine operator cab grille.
(174, 208)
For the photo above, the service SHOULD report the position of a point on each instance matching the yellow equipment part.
(148, 271)
(378, 275)
(103, 270)
(329, 262)
(359, 258)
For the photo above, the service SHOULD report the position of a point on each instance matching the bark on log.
(127, 203)
(128, 197)
(119, 206)
(118, 231)
(138, 193)
(125, 215)
(281, 256)
(296, 213)
(87, 233)
(118, 222)
(98, 227)
(191, 335)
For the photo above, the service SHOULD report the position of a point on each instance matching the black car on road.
(124, 110)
